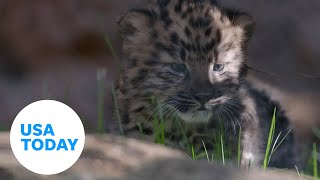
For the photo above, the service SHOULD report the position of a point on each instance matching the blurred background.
(68, 51)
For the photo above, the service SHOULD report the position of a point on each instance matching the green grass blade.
(205, 149)
(222, 149)
(315, 161)
(193, 153)
(158, 123)
(270, 140)
(276, 146)
(110, 46)
(140, 128)
(282, 140)
(113, 53)
(273, 147)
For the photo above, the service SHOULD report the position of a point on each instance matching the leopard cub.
(189, 56)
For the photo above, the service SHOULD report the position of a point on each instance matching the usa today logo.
(47, 137)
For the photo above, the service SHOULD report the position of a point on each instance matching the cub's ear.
(136, 20)
(242, 19)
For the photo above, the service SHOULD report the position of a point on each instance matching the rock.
(104, 156)
(190, 170)
(118, 158)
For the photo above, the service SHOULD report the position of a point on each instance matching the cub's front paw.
(248, 160)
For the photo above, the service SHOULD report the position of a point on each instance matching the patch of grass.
(271, 142)
(159, 131)
(222, 150)
(221, 146)
(158, 122)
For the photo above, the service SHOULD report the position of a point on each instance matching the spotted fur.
(186, 59)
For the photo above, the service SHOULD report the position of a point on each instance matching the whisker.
(233, 119)
(157, 108)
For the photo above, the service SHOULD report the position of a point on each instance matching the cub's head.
(188, 54)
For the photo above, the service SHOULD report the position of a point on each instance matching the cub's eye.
(180, 69)
(218, 67)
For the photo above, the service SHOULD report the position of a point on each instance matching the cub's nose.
(202, 98)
